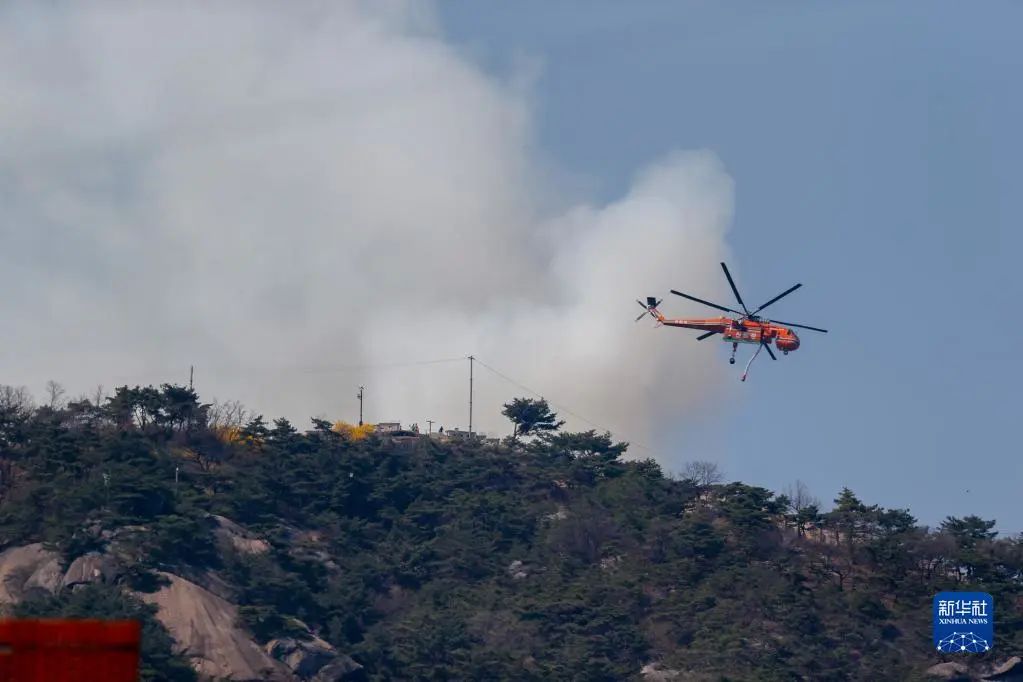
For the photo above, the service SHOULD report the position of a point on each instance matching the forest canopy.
(548, 555)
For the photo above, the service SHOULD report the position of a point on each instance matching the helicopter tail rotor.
(648, 307)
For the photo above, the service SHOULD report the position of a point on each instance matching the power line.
(383, 365)
(539, 395)
(561, 408)
(299, 369)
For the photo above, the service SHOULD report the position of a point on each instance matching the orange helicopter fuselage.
(745, 331)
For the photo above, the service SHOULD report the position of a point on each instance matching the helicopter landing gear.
(731, 360)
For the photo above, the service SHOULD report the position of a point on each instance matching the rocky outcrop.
(203, 624)
(1011, 669)
(308, 545)
(46, 579)
(517, 570)
(1008, 670)
(949, 671)
(34, 569)
(23, 569)
(312, 659)
(559, 515)
(609, 563)
(340, 669)
(205, 628)
(305, 659)
(91, 568)
(210, 580)
(230, 534)
(653, 672)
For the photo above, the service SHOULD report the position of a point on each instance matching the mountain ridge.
(348, 554)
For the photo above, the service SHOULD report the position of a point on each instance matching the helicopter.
(749, 327)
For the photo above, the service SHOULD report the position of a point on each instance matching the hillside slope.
(263, 552)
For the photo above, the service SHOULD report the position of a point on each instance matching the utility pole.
(471, 358)
(429, 423)
(360, 404)
(191, 375)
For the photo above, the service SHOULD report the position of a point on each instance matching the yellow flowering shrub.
(353, 432)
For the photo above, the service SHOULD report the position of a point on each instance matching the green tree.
(587, 444)
(890, 549)
(751, 509)
(139, 407)
(973, 536)
(805, 516)
(849, 518)
(531, 416)
(180, 408)
(283, 433)
(969, 530)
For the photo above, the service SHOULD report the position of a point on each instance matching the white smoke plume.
(263, 189)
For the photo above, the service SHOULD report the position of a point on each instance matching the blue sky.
(876, 150)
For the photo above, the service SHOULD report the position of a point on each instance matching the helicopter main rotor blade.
(776, 298)
(712, 305)
(769, 351)
(734, 289)
(701, 337)
(801, 326)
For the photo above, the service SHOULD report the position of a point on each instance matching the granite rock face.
(91, 568)
(204, 626)
(27, 568)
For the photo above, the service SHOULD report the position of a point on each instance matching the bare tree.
(16, 400)
(98, 396)
(702, 473)
(222, 415)
(800, 497)
(55, 395)
(804, 507)
(16, 405)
